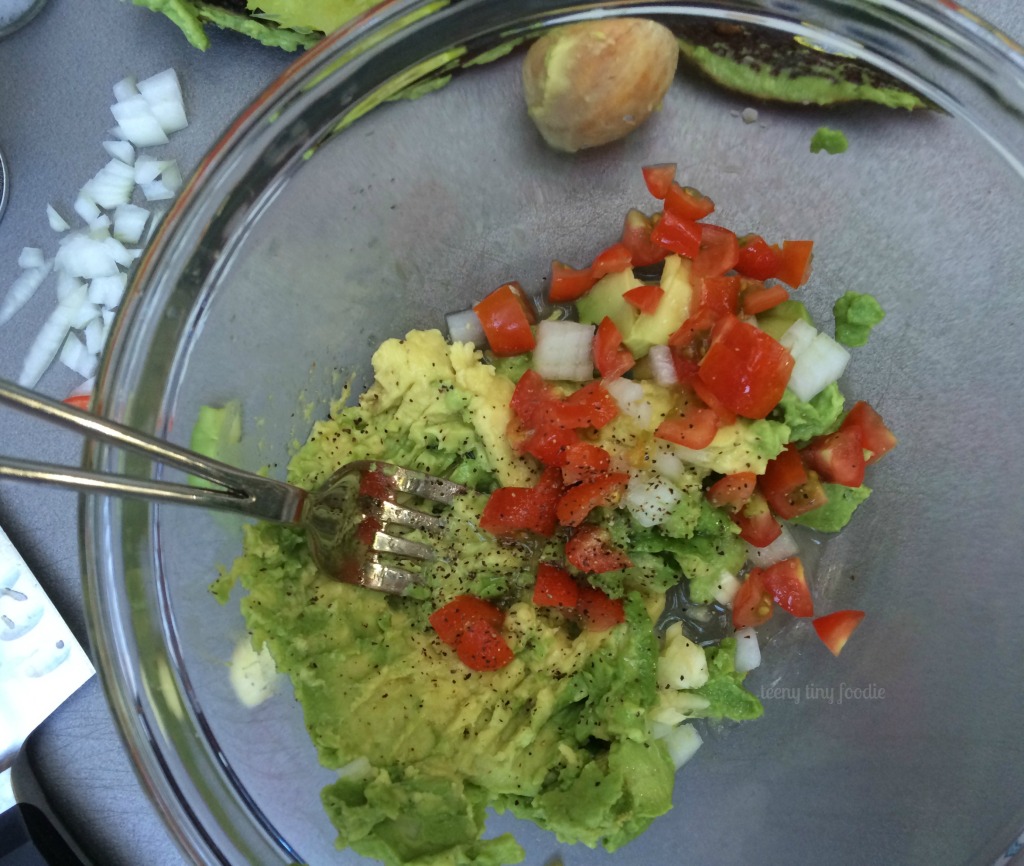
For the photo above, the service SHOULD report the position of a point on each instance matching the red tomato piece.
(584, 462)
(549, 443)
(720, 295)
(506, 315)
(835, 629)
(610, 261)
(757, 524)
(745, 368)
(876, 437)
(451, 620)
(610, 358)
(692, 338)
(732, 492)
(597, 611)
(753, 603)
(79, 401)
(568, 283)
(589, 406)
(578, 501)
(555, 587)
(794, 268)
(759, 299)
(481, 647)
(590, 549)
(686, 202)
(531, 392)
(636, 237)
(695, 428)
(789, 488)
(719, 251)
(678, 235)
(757, 259)
(786, 583)
(838, 457)
(725, 415)
(645, 298)
(659, 178)
(531, 509)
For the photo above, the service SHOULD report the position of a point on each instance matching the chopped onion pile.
(818, 360)
(91, 263)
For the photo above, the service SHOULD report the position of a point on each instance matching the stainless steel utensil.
(330, 515)
(41, 665)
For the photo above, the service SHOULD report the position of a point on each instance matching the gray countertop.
(56, 76)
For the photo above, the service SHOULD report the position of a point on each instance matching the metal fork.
(346, 519)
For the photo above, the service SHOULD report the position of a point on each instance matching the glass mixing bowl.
(296, 250)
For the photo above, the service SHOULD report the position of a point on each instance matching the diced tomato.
(791, 490)
(745, 368)
(725, 414)
(531, 392)
(481, 647)
(678, 235)
(692, 338)
(794, 268)
(506, 315)
(757, 524)
(578, 501)
(695, 428)
(549, 443)
(636, 237)
(589, 406)
(876, 437)
(79, 401)
(753, 603)
(837, 457)
(590, 549)
(597, 611)
(555, 587)
(610, 358)
(719, 252)
(732, 492)
(568, 283)
(531, 509)
(584, 462)
(757, 259)
(759, 299)
(659, 178)
(720, 295)
(835, 629)
(376, 485)
(451, 620)
(610, 261)
(686, 202)
(645, 298)
(787, 584)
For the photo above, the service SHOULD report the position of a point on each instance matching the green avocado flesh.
(770, 65)
(564, 735)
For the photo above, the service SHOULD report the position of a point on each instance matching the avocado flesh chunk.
(775, 66)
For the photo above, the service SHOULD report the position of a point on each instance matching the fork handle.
(244, 492)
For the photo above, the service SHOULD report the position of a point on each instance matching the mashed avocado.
(423, 745)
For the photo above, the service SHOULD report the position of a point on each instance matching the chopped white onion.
(157, 190)
(112, 185)
(107, 291)
(748, 652)
(682, 743)
(782, 548)
(819, 365)
(94, 333)
(125, 89)
(631, 400)
(147, 169)
(130, 223)
(650, 497)
(663, 365)
(135, 119)
(82, 256)
(119, 252)
(667, 463)
(163, 94)
(23, 288)
(76, 357)
(56, 221)
(728, 586)
(86, 207)
(465, 327)
(564, 351)
(84, 388)
(798, 337)
(120, 150)
(44, 348)
(66, 284)
(31, 257)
